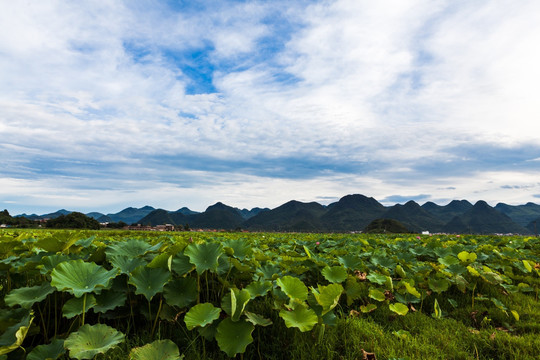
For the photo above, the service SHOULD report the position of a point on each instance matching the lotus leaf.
(109, 300)
(383, 261)
(125, 263)
(498, 304)
(377, 278)
(15, 334)
(467, 257)
(453, 303)
(131, 248)
(157, 350)
(351, 262)
(334, 274)
(149, 282)
(180, 264)
(91, 340)
(50, 351)
(376, 294)
(48, 263)
(234, 336)
(259, 288)
(368, 308)
(411, 289)
(328, 296)
(74, 307)
(240, 248)
(159, 261)
(437, 312)
(353, 289)
(293, 287)
(400, 272)
(438, 285)
(268, 271)
(181, 292)
(201, 315)
(301, 317)
(456, 269)
(448, 260)
(79, 277)
(256, 319)
(399, 308)
(28, 296)
(204, 256)
(515, 314)
(235, 302)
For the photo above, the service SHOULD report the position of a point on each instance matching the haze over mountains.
(350, 213)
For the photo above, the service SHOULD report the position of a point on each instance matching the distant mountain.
(218, 216)
(447, 212)
(291, 216)
(484, 219)
(534, 226)
(186, 211)
(130, 215)
(247, 214)
(95, 215)
(56, 214)
(414, 217)
(520, 214)
(351, 212)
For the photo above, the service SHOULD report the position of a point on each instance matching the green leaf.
(259, 288)
(91, 340)
(74, 306)
(351, 262)
(50, 351)
(376, 294)
(149, 282)
(498, 304)
(180, 264)
(399, 270)
(78, 277)
(126, 264)
(235, 302)
(377, 278)
(448, 260)
(48, 263)
(399, 308)
(301, 317)
(233, 337)
(453, 303)
(402, 334)
(515, 314)
(201, 315)
(293, 287)
(328, 296)
(411, 289)
(527, 266)
(15, 334)
(109, 300)
(240, 248)
(438, 285)
(437, 312)
(28, 296)
(181, 292)
(467, 257)
(131, 248)
(368, 308)
(204, 256)
(334, 274)
(157, 350)
(256, 319)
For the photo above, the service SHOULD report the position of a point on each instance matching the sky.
(110, 104)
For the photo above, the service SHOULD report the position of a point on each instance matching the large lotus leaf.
(224, 264)
(157, 350)
(353, 289)
(180, 264)
(334, 274)
(467, 257)
(383, 261)
(376, 294)
(50, 351)
(74, 307)
(293, 287)
(301, 317)
(79, 277)
(15, 334)
(438, 285)
(58, 242)
(268, 271)
(351, 262)
(376, 278)
(91, 340)
(160, 260)
(125, 263)
(28, 296)
(259, 288)
(368, 308)
(109, 300)
(240, 248)
(181, 292)
(328, 296)
(256, 319)
(204, 256)
(235, 302)
(442, 251)
(48, 263)
(399, 308)
(448, 260)
(149, 282)
(131, 248)
(201, 315)
(456, 269)
(234, 336)
(411, 289)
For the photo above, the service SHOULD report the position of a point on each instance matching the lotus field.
(142, 295)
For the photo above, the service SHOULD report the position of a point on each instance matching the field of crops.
(137, 295)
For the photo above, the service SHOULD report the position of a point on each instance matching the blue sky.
(110, 104)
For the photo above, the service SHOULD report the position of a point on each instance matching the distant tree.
(385, 226)
(186, 227)
(116, 225)
(7, 219)
(74, 220)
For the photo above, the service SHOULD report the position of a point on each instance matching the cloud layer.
(111, 104)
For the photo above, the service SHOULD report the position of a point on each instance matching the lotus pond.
(147, 295)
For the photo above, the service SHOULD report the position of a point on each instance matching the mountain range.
(350, 213)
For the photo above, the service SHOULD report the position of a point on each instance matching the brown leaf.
(362, 276)
(388, 295)
(368, 355)
(537, 266)
(412, 308)
(354, 313)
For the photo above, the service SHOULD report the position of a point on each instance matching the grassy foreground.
(461, 297)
